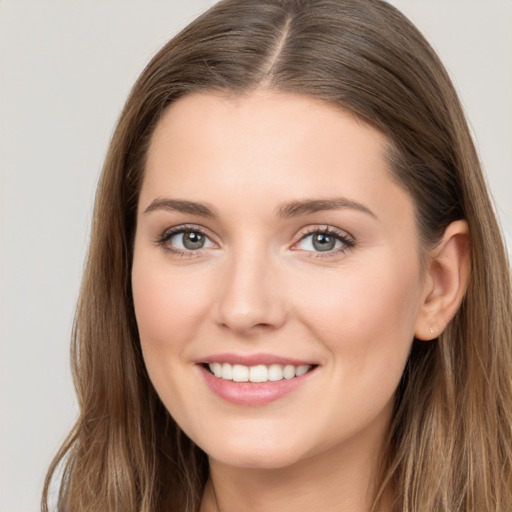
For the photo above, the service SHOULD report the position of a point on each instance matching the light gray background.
(65, 70)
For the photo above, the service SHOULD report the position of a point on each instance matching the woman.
(296, 294)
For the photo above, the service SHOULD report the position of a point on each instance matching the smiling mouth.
(258, 373)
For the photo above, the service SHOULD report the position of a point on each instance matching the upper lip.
(253, 359)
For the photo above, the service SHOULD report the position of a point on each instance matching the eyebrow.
(180, 205)
(287, 210)
(307, 206)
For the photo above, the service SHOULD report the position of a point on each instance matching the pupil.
(323, 242)
(193, 240)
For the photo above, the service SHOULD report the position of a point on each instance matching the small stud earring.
(431, 330)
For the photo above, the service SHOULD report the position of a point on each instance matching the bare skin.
(269, 227)
(295, 487)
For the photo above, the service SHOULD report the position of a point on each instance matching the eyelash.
(347, 241)
(186, 228)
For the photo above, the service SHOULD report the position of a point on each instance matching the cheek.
(169, 306)
(168, 303)
(366, 315)
(366, 321)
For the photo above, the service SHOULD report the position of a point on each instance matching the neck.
(343, 479)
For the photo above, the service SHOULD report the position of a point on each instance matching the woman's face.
(272, 241)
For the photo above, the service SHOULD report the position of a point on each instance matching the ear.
(446, 280)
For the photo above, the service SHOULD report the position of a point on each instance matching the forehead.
(261, 113)
(266, 145)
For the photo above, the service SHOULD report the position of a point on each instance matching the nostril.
(262, 326)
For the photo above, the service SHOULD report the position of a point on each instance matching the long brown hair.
(450, 445)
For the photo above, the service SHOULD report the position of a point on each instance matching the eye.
(188, 240)
(324, 241)
(185, 240)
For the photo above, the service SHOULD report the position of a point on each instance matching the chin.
(255, 459)
(253, 454)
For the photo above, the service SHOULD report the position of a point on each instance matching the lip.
(251, 394)
(254, 359)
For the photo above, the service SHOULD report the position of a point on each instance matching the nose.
(250, 299)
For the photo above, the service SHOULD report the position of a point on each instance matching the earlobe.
(446, 280)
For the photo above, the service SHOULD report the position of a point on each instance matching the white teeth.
(301, 370)
(258, 373)
(227, 371)
(275, 372)
(240, 373)
(216, 368)
(289, 371)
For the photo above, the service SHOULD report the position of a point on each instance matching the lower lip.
(249, 393)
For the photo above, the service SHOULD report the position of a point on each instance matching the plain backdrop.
(65, 70)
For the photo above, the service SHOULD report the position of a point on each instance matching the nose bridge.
(249, 297)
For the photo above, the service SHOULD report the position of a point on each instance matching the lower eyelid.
(339, 251)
